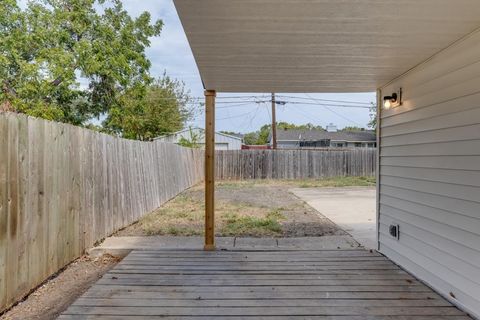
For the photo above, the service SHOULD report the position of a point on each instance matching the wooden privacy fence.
(62, 188)
(294, 164)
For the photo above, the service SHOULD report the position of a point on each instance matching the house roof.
(238, 135)
(318, 45)
(198, 129)
(316, 135)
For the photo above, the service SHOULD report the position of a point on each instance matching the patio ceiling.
(318, 45)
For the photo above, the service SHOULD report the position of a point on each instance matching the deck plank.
(317, 284)
(416, 317)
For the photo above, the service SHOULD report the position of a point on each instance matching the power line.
(248, 122)
(341, 116)
(243, 97)
(269, 114)
(306, 115)
(235, 105)
(237, 116)
(310, 98)
(326, 100)
(248, 100)
(328, 105)
(262, 98)
(234, 102)
(254, 115)
(284, 102)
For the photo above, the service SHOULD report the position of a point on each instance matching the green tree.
(264, 133)
(261, 136)
(250, 138)
(193, 141)
(48, 47)
(163, 107)
(373, 117)
(231, 133)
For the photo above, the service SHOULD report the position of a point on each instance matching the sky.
(171, 53)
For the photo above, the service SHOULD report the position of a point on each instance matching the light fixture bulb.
(393, 100)
(387, 104)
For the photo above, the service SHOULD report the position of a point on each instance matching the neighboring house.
(222, 141)
(294, 138)
(238, 135)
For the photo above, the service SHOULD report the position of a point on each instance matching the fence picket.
(294, 164)
(62, 188)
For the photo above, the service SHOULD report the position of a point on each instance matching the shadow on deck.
(260, 284)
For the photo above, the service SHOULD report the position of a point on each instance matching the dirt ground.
(299, 219)
(55, 295)
(244, 209)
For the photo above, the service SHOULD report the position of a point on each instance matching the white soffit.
(318, 45)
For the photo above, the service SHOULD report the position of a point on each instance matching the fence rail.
(62, 188)
(294, 164)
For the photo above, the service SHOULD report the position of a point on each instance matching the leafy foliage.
(231, 133)
(194, 140)
(352, 129)
(251, 138)
(47, 48)
(261, 137)
(236, 225)
(160, 108)
(373, 117)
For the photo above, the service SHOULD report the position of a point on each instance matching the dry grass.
(255, 208)
(184, 216)
(303, 183)
(338, 182)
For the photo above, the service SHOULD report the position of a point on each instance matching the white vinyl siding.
(222, 141)
(430, 173)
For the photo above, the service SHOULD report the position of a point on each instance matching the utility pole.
(274, 123)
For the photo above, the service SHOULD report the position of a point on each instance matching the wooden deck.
(326, 284)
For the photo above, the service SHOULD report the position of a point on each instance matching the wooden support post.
(209, 170)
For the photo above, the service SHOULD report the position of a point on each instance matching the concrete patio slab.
(121, 246)
(352, 209)
(318, 243)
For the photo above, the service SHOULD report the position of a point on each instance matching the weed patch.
(236, 225)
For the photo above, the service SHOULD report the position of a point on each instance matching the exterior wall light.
(393, 100)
